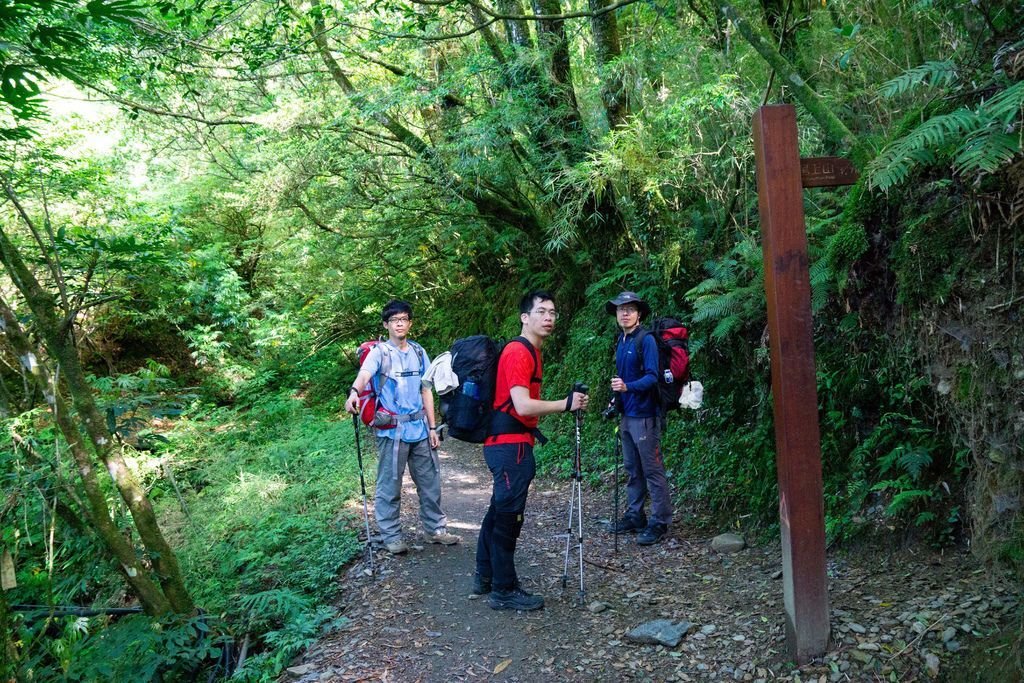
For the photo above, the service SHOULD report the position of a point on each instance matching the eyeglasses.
(627, 309)
(547, 313)
(398, 319)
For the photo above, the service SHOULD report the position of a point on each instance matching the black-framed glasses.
(399, 319)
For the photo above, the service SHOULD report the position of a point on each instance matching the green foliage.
(934, 74)
(143, 649)
(978, 140)
(275, 488)
(52, 39)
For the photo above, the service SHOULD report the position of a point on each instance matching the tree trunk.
(552, 39)
(150, 596)
(517, 30)
(812, 102)
(605, 28)
(56, 338)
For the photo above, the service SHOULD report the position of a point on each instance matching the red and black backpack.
(671, 337)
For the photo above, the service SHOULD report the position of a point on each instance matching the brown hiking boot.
(396, 547)
(441, 536)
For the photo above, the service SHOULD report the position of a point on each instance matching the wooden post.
(794, 388)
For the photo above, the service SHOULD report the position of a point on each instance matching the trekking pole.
(618, 459)
(576, 503)
(362, 485)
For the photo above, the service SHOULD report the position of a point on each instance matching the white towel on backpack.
(692, 395)
(440, 376)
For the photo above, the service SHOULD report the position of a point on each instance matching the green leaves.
(114, 11)
(935, 74)
(978, 140)
(19, 88)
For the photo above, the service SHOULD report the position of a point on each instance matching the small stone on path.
(659, 632)
(300, 671)
(931, 664)
(728, 543)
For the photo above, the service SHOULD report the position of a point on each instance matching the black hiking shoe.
(652, 534)
(516, 598)
(629, 524)
(481, 584)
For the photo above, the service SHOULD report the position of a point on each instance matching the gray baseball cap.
(628, 298)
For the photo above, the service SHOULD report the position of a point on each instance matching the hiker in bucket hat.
(635, 387)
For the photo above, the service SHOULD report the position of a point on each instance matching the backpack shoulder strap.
(534, 377)
(422, 356)
(639, 343)
(384, 369)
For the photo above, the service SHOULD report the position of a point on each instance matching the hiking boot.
(396, 547)
(516, 599)
(629, 524)
(481, 584)
(652, 534)
(441, 536)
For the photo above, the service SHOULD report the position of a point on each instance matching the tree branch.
(164, 112)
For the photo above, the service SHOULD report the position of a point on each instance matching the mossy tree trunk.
(55, 329)
(135, 573)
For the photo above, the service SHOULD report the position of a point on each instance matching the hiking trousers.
(513, 468)
(426, 474)
(641, 454)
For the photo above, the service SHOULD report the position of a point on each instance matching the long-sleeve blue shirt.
(640, 373)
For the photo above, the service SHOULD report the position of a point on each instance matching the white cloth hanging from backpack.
(692, 395)
(440, 375)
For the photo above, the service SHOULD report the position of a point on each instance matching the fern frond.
(897, 160)
(821, 278)
(725, 326)
(986, 151)
(715, 308)
(906, 499)
(1005, 106)
(933, 73)
(914, 461)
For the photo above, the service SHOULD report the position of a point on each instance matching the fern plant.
(978, 140)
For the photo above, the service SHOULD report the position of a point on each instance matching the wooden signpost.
(781, 177)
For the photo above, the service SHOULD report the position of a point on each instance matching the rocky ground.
(896, 615)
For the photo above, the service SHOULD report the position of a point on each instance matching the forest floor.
(903, 614)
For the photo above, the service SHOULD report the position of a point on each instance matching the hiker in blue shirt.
(406, 430)
(635, 388)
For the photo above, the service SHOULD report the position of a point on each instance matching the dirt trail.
(415, 618)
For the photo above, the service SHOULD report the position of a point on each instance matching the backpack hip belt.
(385, 419)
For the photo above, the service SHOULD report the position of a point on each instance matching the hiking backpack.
(671, 337)
(469, 409)
(369, 397)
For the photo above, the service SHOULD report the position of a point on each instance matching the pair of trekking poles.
(576, 501)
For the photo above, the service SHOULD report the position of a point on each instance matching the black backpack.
(468, 410)
(671, 337)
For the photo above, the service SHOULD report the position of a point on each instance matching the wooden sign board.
(827, 172)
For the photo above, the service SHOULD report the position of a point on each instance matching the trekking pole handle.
(577, 388)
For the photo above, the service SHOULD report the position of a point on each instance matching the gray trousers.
(426, 474)
(641, 454)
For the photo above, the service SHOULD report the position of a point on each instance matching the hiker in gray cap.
(635, 388)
